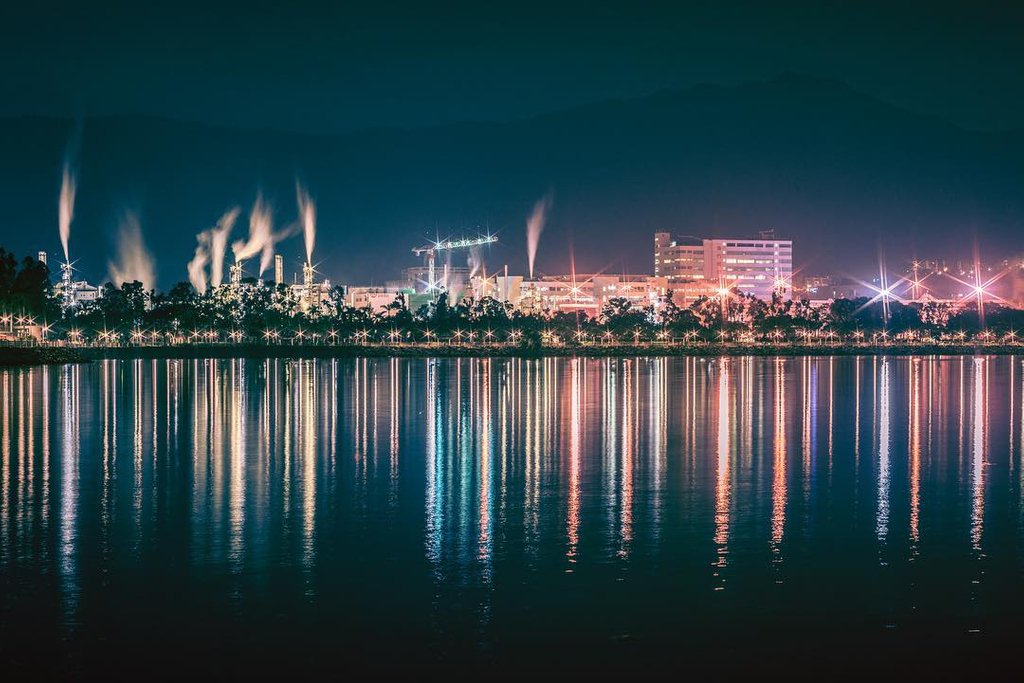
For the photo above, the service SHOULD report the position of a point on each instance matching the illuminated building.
(762, 266)
(586, 294)
(377, 299)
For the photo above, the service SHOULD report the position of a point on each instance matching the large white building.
(762, 266)
(377, 299)
(585, 294)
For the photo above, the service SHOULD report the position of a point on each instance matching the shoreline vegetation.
(42, 323)
(13, 356)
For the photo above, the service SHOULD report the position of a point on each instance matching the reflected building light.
(531, 493)
(856, 426)
(393, 439)
(486, 532)
(573, 523)
(882, 517)
(45, 447)
(435, 480)
(831, 408)
(1020, 449)
(658, 400)
(779, 473)
(723, 491)
(610, 440)
(628, 445)
(914, 441)
(505, 407)
(137, 466)
(979, 447)
(805, 425)
(5, 469)
(108, 445)
(236, 493)
(309, 479)
(67, 550)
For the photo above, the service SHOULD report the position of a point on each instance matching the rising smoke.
(262, 237)
(197, 266)
(535, 226)
(210, 247)
(133, 259)
(307, 217)
(67, 206)
(219, 244)
(475, 261)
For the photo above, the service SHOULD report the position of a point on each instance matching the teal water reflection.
(280, 513)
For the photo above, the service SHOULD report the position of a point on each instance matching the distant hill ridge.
(840, 172)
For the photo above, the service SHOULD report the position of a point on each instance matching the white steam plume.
(219, 243)
(475, 261)
(307, 217)
(197, 266)
(535, 226)
(67, 206)
(259, 231)
(262, 237)
(210, 246)
(133, 259)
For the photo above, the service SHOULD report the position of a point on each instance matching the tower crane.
(429, 252)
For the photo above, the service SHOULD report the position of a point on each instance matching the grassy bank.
(39, 355)
(597, 351)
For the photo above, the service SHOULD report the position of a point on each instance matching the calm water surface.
(250, 515)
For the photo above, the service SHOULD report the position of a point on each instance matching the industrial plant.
(738, 286)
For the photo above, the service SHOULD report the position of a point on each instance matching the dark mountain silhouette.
(841, 173)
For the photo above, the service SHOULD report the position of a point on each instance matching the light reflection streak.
(393, 435)
(485, 540)
(658, 408)
(723, 491)
(779, 474)
(806, 427)
(914, 444)
(979, 448)
(882, 518)
(67, 553)
(137, 451)
(573, 524)
(307, 417)
(5, 469)
(626, 484)
(609, 433)
(435, 492)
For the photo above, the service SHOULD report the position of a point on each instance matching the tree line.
(254, 310)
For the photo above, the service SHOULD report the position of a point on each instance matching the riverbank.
(39, 355)
(51, 355)
(499, 351)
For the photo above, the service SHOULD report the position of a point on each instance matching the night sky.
(324, 67)
(308, 68)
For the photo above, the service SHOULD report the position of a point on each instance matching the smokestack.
(278, 270)
(307, 276)
(42, 257)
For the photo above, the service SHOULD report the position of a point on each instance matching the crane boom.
(429, 250)
(463, 243)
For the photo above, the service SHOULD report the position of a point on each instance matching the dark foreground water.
(256, 516)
